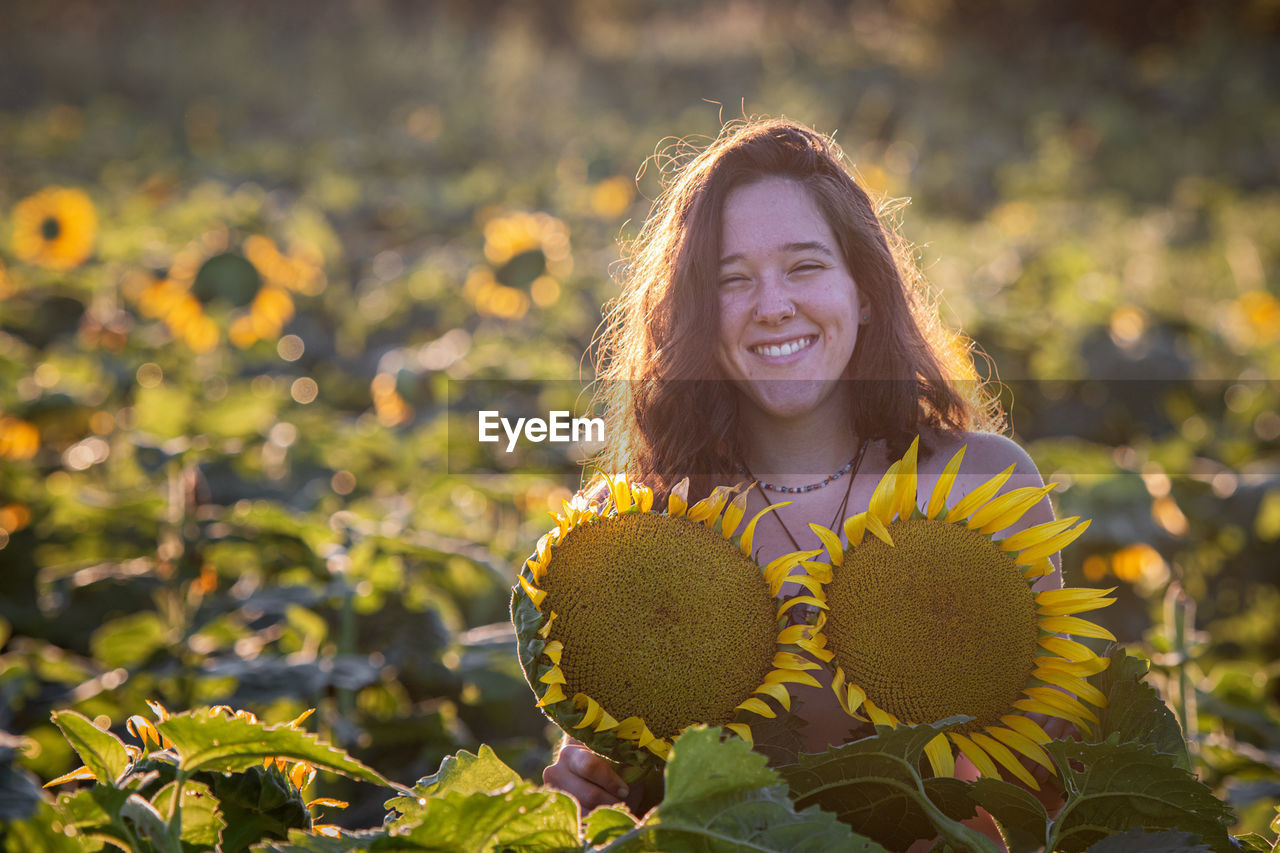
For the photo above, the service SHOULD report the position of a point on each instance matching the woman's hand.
(585, 776)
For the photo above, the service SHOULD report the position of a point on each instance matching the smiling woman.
(772, 331)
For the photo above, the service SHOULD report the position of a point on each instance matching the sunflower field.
(255, 591)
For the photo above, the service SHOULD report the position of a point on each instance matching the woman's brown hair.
(668, 410)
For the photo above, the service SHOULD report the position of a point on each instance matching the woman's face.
(789, 309)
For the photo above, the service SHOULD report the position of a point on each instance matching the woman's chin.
(791, 399)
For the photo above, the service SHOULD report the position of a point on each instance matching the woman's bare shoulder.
(986, 454)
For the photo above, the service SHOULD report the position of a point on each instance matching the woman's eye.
(807, 266)
(730, 280)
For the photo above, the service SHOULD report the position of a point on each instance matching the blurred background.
(247, 247)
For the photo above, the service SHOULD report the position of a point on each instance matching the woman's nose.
(773, 303)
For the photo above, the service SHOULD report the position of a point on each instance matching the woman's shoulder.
(986, 454)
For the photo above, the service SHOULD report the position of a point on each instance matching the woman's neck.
(796, 452)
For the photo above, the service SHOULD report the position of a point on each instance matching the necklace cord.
(852, 468)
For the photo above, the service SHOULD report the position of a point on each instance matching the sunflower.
(255, 280)
(528, 255)
(55, 228)
(929, 616)
(625, 616)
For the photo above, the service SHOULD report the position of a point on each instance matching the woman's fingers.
(586, 777)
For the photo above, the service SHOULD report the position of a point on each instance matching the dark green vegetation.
(278, 525)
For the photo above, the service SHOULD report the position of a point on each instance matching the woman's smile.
(777, 351)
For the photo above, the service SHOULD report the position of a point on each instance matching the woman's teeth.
(779, 350)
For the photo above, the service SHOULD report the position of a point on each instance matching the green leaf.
(1135, 712)
(1024, 824)
(607, 823)
(201, 822)
(874, 785)
(129, 640)
(1138, 841)
(721, 796)
(519, 818)
(224, 744)
(1127, 785)
(102, 752)
(148, 824)
(1252, 842)
(463, 773)
(303, 842)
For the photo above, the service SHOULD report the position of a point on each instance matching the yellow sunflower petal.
(1073, 684)
(790, 676)
(554, 650)
(817, 648)
(733, 513)
(1028, 728)
(1015, 513)
(778, 692)
(979, 496)
(1000, 512)
(1057, 543)
(808, 582)
(1056, 698)
(801, 599)
(620, 491)
(879, 530)
(788, 660)
(555, 693)
(1074, 607)
(940, 757)
(1039, 569)
(593, 710)
(1024, 745)
(830, 541)
(942, 489)
(878, 715)
(555, 675)
(1035, 535)
(741, 730)
(748, 535)
(1083, 669)
(606, 722)
(1007, 759)
(757, 706)
(535, 595)
(792, 634)
(678, 499)
(1034, 706)
(659, 747)
(905, 489)
(545, 630)
(708, 509)
(1069, 649)
(642, 497)
(974, 753)
(1070, 595)
(80, 773)
(854, 527)
(883, 500)
(1075, 626)
(819, 571)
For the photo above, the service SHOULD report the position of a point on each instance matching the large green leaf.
(606, 823)
(42, 830)
(1123, 786)
(1135, 712)
(223, 744)
(874, 785)
(463, 773)
(1022, 819)
(721, 796)
(201, 822)
(128, 640)
(1139, 841)
(102, 752)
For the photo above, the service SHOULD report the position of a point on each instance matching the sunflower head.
(930, 615)
(55, 228)
(626, 617)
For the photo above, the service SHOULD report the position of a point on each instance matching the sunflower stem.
(1180, 616)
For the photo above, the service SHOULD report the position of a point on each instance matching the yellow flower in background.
(529, 256)
(626, 617)
(55, 228)
(256, 280)
(7, 286)
(929, 616)
(19, 440)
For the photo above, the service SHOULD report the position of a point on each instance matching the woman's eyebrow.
(805, 246)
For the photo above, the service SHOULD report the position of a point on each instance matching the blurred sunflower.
(256, 280)
(18, 439)
(7, 286)
(929, 616)
(55, 228)
(529, 255)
